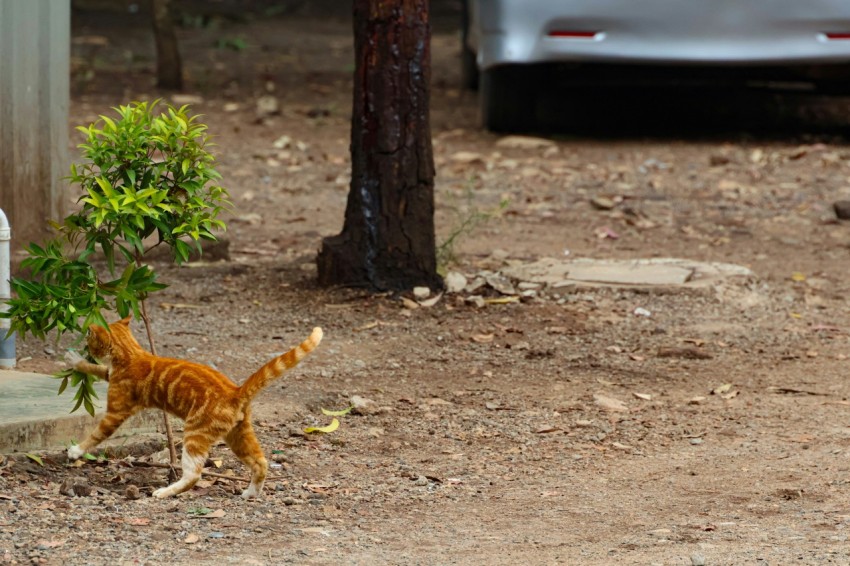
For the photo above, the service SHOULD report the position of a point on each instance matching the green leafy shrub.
(148, 180)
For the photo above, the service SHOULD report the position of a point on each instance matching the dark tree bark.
(388, 241)
(169, 68)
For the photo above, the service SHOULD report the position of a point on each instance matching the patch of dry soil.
(567, 428)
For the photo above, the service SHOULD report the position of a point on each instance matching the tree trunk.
(35, 39)
(169, 69)
(388, 241)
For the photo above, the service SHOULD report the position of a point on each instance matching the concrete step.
(34, 418)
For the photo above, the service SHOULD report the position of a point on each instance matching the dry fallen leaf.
(137, 521)
(610, 403)
(644, 396)
(721, 389)
(502, 300)
(483, 338)
(432, 301)
(171, 306)
(45, 544)
(409, 304)
(192, 538)
(686, 353)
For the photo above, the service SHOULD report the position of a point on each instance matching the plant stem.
(169, 434)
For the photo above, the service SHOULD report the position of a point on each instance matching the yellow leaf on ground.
(325, 429)
(337, 413)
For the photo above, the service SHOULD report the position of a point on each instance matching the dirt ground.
(487, 441)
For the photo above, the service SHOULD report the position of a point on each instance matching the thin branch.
(205, 472)
(169, 434)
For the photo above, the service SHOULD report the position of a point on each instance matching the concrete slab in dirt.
(654, 272)
(33, 417)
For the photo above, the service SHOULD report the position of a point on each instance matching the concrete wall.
(35, 40)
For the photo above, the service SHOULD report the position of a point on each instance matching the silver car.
(510, 45)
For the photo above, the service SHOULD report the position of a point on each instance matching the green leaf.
(106, 186)
(199, 511)
(35, 458)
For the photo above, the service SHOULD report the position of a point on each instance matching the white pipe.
(7, 345)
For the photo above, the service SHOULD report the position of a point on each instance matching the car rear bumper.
(692, 32)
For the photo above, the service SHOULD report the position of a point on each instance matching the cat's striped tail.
(276, 367)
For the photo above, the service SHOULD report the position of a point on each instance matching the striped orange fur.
(211, 405)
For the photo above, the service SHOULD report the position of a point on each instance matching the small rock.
(132, 492)
(603, 203)
(524, 142)
(500, 283)
(455, 282)
(72, 487)
(267, 105)
(697, 559)
(421, 293)
(475, 285)
(695, 441)
(717, 160)
(421, 481)
(362, 405)
(181, 99)
(842, 209)
(477, 300)
(67, 487)
(467, 157)
(251, 218)
(610, 403)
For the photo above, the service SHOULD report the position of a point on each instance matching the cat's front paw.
(74, 451)
(72, 358)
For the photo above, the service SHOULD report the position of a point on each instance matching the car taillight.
(575, 34)
(837, 36)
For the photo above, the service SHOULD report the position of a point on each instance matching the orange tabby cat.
(212, 406)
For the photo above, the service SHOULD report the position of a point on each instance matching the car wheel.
(507, 98)
(468, 60)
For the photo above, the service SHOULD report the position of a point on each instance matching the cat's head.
(102, 341)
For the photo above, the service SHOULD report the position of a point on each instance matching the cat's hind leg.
(244, 444)
(195, 450)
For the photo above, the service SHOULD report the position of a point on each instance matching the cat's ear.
(126, 320)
